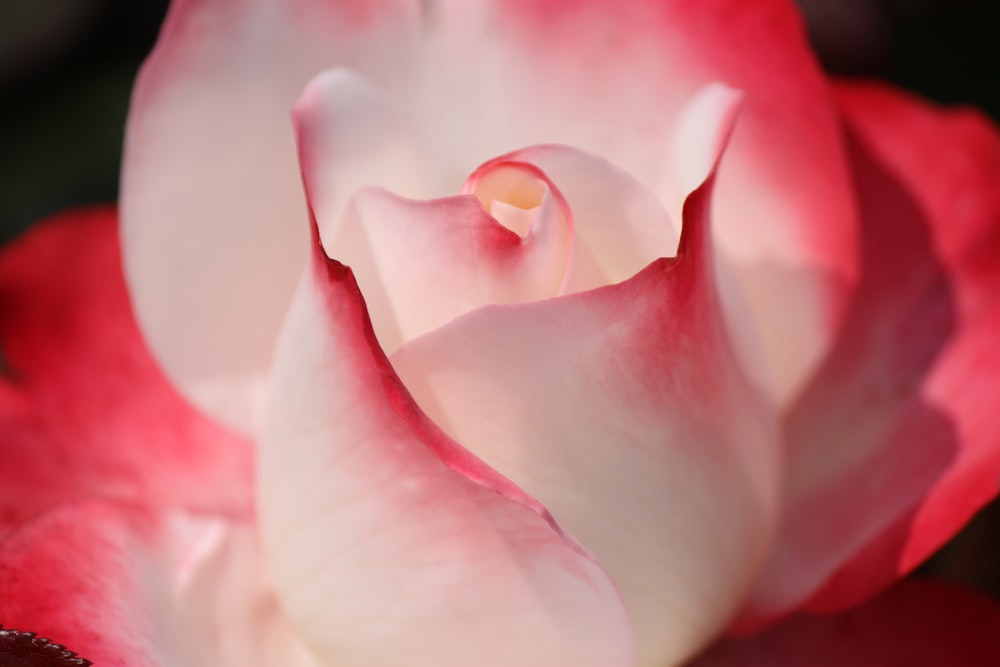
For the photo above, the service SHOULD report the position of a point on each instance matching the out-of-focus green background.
(66, 69)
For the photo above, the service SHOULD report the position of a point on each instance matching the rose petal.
(84, 411)
(226, 606)
(124, 587)
(916, 624)
(236, 191)
(957, 190)
(75, 576)
(349, 134)
(210, 164)
(421, 263)
(697, 143)
(606, 406)
(619, 225)
(613, 79)
(388, 543)
(895, 443)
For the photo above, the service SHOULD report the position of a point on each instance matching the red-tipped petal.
(421, 263)
(123, 587)
(619, 225)
(897, 442)
(623, 409)
(612, 78)
(84, 411)
(388, 542)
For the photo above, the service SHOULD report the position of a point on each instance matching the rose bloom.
(601, 333)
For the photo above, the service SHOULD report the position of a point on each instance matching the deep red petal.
(85, 412)
(916, 624)
(76, 576)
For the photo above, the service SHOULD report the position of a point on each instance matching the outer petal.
(896, 442)
(84, 412)
(127, 588)
(76, 577)
(390, 544)
(916, 624)
(612, 78)
(606, 406)
(210, 164)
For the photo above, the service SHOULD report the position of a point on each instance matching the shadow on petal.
(867, 446)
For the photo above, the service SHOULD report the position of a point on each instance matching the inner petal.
(529, 225)
(618, 224)
(423, 263)
(511, 193)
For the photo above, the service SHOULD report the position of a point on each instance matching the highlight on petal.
(613, 79)
(84, 411)
(916, 624)
(350, 134)
(697, 142)
(605, 406)
(210, 185)
(228, 611)
(122, 587)
(390, 544)
(895, 444)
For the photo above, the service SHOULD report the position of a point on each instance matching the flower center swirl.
(26, 649)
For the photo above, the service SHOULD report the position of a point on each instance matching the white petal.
(212, 205)
(387, 542)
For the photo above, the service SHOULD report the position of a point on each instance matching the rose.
(684, 465)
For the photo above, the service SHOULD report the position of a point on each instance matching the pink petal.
(210, 185)
(481, 83)
(76, 576)
(619, 225)
(613, 79)
(84, 411)
(351, 133)
(422, 263)
(916, 624)
(127, 588)
(896, 442)
(624, 411)
(388, 543)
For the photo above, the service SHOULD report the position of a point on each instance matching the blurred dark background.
(66, 68)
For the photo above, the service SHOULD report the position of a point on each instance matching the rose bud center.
(515, 194)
